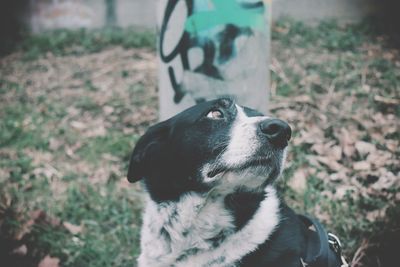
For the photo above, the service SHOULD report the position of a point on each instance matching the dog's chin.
(254, 178)
(256, 172)
(252, 164)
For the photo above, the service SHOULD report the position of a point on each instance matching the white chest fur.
(181, 233)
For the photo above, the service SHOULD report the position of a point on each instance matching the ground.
(74, 103)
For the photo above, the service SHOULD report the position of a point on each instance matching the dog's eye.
(215, 114)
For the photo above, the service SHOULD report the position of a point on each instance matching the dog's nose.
(277, 131)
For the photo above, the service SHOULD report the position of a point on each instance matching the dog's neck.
(199, 230)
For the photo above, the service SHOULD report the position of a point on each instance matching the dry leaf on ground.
(364, 148)
(72, 228)
(299, 180)
(49, 262)
(21, 250)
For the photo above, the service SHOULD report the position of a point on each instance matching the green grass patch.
(327, 35)
(110, 222)
(18, 128)
(114, 143)
(76, 42)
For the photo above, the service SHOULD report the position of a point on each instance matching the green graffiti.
(226, 12)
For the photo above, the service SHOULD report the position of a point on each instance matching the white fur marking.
(191, 214)
(202, 218)
(254, 233)
(243, 141)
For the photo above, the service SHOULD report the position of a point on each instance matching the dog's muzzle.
(277, 132)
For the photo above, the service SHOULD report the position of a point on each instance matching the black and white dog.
(209, 174)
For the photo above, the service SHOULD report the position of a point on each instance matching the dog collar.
(323, 249)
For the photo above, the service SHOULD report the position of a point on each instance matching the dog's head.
(213, 145)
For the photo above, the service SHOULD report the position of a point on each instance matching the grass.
(66, 42)
(64, 146)
(109, 219)
(111, 227)
(328, 34)
(115, 144)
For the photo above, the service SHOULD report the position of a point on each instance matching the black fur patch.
(285, 246)
(187, 253)
(218, 239)
(243, 206)
(164, 233)
(217, 262)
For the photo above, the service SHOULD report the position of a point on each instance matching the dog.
(209, 176)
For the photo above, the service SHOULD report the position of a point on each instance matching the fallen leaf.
(70, 152)
(372, 216)
(27, 225)
(328, 150)
(21, 250)
(110, 157)
(41, 217)
(100, 130)
(336, 152)
(346, 141)
(392, 145)
(364, 148)
(313, 161)
(299, 180)
(123, 183)
(386, 180)
(338, 176)
(49, 262)
(361, 166)
(47, 171)
(72, 228)
(342, 190)
(78, 125)
(319, 148)
(127, 130)
(387, 101)
(72, 111)
(55, 143)
(322, 214)
(332, 164)
(379, 158)
(310, 136)
(108, 110)
(322, 175)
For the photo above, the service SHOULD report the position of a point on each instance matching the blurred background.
(78, 86)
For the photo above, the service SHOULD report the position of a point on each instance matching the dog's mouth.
(253, 163)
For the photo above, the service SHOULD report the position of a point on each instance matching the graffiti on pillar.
(212, 26)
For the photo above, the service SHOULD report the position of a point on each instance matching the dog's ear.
(147, 151)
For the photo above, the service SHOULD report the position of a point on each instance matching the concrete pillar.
(212, 48)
